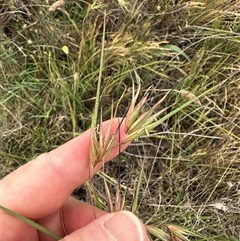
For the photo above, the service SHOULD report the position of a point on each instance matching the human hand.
(40, 189)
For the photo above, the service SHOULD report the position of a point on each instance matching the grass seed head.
(101, 144)
(56, 5)
(140, 121)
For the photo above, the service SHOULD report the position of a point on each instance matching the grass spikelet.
(100, 145)
(123, 4)
(56, 5)
(170, 232)
(157, 232)
(139, 121)
(178, 233)
(190, 96)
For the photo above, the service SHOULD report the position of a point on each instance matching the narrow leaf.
(31, 223)
(175, 48)
(136, 195)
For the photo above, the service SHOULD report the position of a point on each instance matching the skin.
(40, 189)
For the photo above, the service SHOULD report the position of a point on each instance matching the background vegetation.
(49, 69)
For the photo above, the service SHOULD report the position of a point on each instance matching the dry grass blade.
(108, 196)
(118, 201)
(114, 182)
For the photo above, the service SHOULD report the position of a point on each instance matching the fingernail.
(125, 226)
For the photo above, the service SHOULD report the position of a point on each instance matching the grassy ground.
(49, 70)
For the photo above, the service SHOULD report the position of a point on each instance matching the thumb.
(119, 226)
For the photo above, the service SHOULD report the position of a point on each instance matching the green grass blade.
(136, 196)
(167, 116)
(31, 223)
(96, 106)
(176, 49)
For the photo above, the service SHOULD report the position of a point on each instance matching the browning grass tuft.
(50, 63)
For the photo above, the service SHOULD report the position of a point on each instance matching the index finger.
(41, 186)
